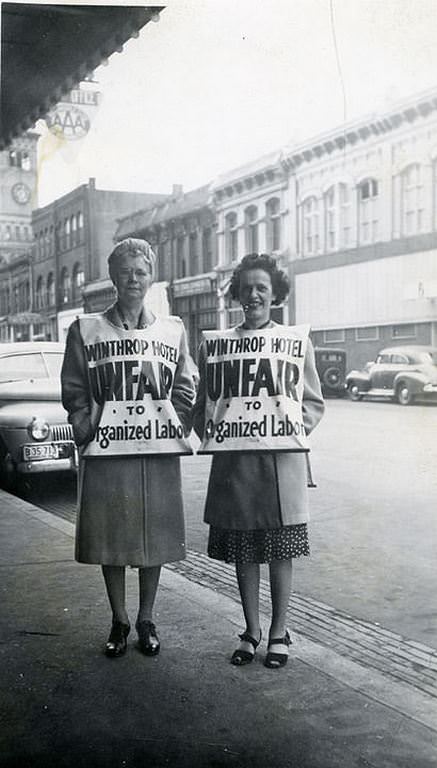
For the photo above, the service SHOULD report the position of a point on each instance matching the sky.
(216, 83)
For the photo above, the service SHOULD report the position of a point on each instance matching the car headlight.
(38, 429)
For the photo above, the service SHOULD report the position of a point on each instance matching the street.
(373, 520)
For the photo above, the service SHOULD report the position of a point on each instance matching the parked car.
(404, 374)
(35, 436)
(331, 367)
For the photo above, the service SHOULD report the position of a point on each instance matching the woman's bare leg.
(280, 590)
(115, 581)
(248, 575)
(148, 583)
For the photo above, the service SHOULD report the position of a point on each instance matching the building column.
(220, 240)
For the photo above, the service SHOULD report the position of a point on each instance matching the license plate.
(36, 452)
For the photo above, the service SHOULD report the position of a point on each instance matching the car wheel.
(404, 394)
(354, 392)
(332, 378)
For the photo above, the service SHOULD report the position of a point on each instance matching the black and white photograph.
(218, 384)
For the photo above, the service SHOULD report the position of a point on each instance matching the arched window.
(412, 200)
(368, 211)
(65, 286)
(273, 223)
(78, 281)
(251, 228)
(331, 233)
(231, 237)
(39, 298)
(311, 233)
(51, 289)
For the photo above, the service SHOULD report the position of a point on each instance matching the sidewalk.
(63, 703)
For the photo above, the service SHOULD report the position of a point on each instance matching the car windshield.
(30, 365)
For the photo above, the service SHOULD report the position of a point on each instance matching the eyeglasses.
(140, 274)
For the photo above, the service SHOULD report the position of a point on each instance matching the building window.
(39, 297)
(310, 213)
(334, 336)
(231, 237)
(207, 250)
(50, 290)
(412, 200)
(7, 232)
(17, 232)
(406, 331)
(19, 159)
(330, 219)
(251, 228)
(181, 267)
(273, 224)
(345, 215)
(73, 224)
(368, 211)
(79, 227)
(161, 262)
(193, 254)
(67, 229)
(65, 286)
(25, 161)
(78, 281)
(371, 333)
(235, 316)
(24, 296)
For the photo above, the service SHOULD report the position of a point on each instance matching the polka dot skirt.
(258, 546)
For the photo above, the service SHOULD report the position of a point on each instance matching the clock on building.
(21, 193)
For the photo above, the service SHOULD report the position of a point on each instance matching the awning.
(48, 49)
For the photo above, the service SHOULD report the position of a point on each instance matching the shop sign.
(192, 287)
(68, 122)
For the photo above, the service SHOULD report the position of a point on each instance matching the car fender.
(414, 379)
(359, 377)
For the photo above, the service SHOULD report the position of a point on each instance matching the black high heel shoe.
(241, 657)
(275, 660)
(117, 640)
(148, 640)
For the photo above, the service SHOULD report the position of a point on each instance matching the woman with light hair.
(123, 371)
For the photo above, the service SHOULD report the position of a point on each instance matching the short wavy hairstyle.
(280, 282)
(135, 247)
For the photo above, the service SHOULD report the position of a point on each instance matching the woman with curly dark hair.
(256, 504)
